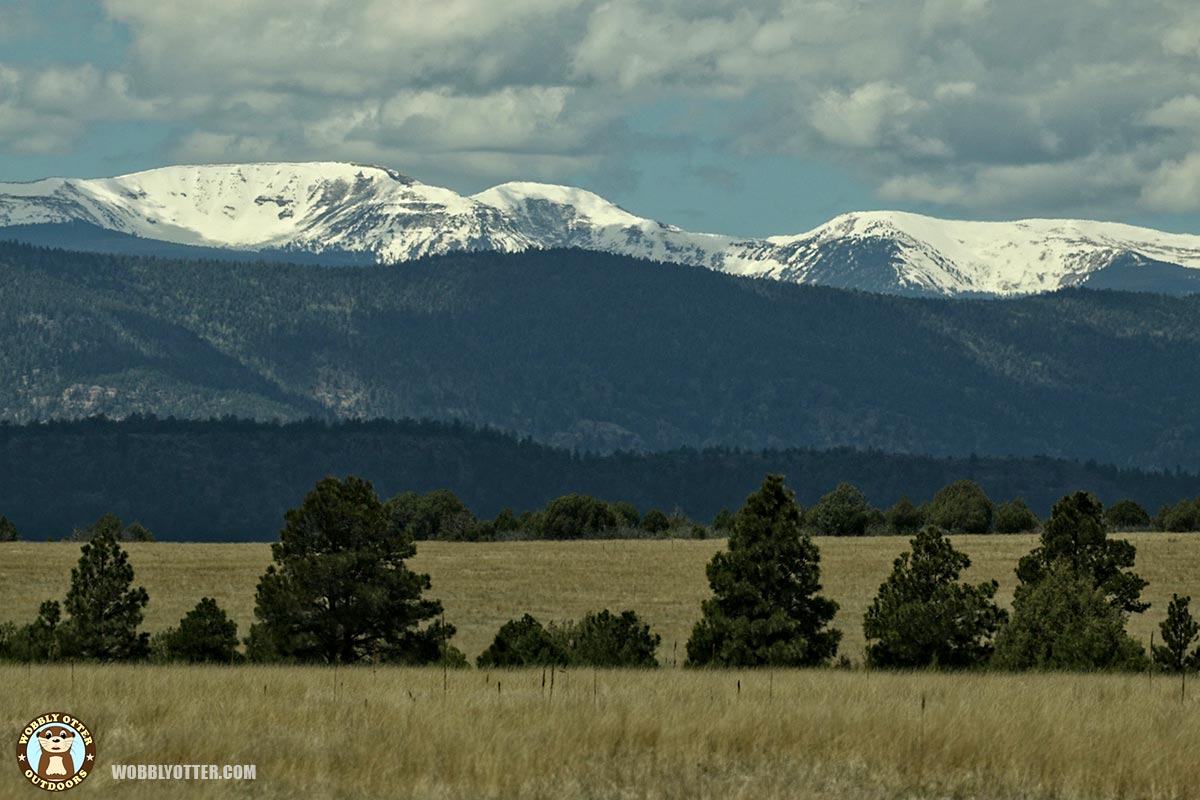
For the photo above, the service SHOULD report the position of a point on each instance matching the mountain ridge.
(377, 214)
(593, 351)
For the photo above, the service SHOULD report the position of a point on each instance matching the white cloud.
(862, 118)
(1179, 113)
(996, 107)
(1174, 186)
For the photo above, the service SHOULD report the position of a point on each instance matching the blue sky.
(751, 118)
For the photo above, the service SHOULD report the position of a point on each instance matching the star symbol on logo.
(21, 757)
(91, 757)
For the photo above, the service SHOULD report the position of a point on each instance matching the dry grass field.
(397, 733)
(760, 735)
(483, 585)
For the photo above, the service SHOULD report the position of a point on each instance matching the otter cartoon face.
(56, 740)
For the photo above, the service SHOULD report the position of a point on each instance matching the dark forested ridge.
(595, 351)
(232, 480)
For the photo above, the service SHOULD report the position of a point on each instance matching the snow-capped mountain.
(379, 215)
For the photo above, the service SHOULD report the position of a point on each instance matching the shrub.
(1126, 515)
(1064, 622)
(106, 524)
(1016, 517)
(522, 643)
(922, 616)
(627, 514)
(655, 521)
(8, 530)
(437, 515)
(723, 521)
(765, 609)
(961, 507)
(904, 518)
(8, 635)
(506, 520)
(575, 516)
(1180, 518)
(136, 532)
(608, 640)
(843, 512)
(39, 640)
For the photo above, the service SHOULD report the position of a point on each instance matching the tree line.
(233, 479)
(338, 590)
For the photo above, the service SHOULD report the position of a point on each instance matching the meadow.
(484, 585)
(759, 735)
(421, 733)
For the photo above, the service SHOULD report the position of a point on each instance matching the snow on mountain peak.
(516, 196)
(388, 217)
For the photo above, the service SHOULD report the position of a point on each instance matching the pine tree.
(339, 590)
(765, 610)
(922, 616)
(8, 531)
(523, 642)
(205, 634)
(1179, 633)
(1077, 534)
(103, 609)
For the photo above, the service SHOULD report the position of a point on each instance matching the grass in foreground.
(321, 733)
(485, 585)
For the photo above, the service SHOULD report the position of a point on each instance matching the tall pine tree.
(103, 609)
(765, 610)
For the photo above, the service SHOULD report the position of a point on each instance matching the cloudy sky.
(744, 117)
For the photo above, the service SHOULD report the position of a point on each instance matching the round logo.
(56, 752)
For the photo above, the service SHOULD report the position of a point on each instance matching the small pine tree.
(765, 609)
(961, 507)
(1179, 633)
(205, 634)
(904, 518)
(655, 521)
(104, 609)
(107, 524)
(843, 512)
(8, 531)
(1126, 515)
(922, 616)
(523, 643)
(1016, 517)
(627, 514)
(610, 640)
(137, 532)
(723, 521)
(39, 640)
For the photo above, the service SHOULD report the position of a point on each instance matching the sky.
(751, 118)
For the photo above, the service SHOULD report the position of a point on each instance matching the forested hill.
(595, 351)
(232, 480)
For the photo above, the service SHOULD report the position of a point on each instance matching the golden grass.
(394, 733)
(483, 585)
(389, 732)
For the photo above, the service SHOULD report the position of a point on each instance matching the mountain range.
(599, 352)
(341, 213)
